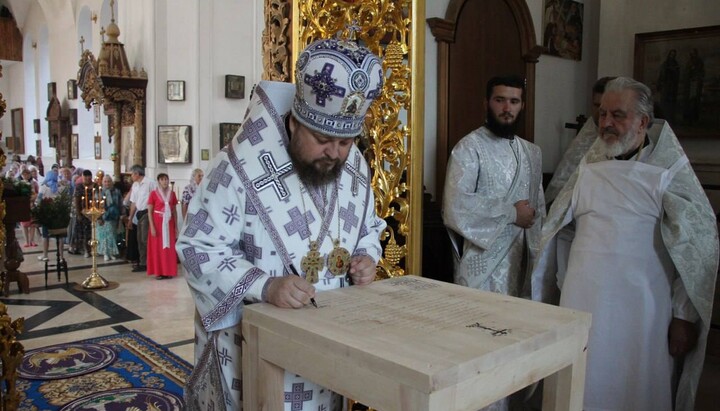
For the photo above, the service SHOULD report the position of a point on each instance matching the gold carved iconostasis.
(392, 139)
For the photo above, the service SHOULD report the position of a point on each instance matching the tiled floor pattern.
(161, 310)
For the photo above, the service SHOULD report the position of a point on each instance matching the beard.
(623, 145)
(317, 172)
(504, 130)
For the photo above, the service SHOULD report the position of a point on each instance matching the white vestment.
(252, 219)
(486, 176)
(571, 159)
(645, 250)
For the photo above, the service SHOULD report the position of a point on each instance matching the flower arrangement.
(16, 187)
(53, 213)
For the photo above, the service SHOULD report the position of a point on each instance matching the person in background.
(578, 146)
(132, 255)
(107, 225)
(643, 259)
(189, 190)
(49, 189)
(493, 202)
(162, 258)
(83, 227)
(28, 226)
(139, 194)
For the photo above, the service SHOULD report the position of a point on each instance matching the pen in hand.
(294, 271)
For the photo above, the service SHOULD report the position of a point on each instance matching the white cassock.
(633, 267)
(571, 159)
(486, 176)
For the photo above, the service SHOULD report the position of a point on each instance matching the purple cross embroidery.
(323, 85)
(197, 222)
(251, 131)
(227, 264)
(193, 261)
(231, 214)
(251, 250)
(273, 176)
(357, 177)
(219, 176)
(349, 217)
(298, 223)
(297, 396)
(223, 357)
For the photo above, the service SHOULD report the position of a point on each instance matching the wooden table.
(416, 344)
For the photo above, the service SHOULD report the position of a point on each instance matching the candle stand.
(94, 281)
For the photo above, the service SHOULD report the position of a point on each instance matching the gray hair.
(137, 168)
(196, 172)
(643, 95)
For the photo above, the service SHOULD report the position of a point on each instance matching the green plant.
(17, 187)
(53, 212)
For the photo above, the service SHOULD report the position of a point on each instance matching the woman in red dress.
(161, 257)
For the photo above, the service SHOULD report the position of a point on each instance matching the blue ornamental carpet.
(126, 371)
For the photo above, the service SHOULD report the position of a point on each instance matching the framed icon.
(36, 126)
(96, 114)
(176, 90)
(52, 90)
(98, 146)
(205, 154)
(75, 146)
(73, 117)
(227, 132)
(174, 144)
(234, 86)
(72, 89)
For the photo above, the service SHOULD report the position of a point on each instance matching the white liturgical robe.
(251, 219)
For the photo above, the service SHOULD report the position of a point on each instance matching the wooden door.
(476, 41)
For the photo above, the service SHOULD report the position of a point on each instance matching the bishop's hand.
(362, 270)
(290, 292)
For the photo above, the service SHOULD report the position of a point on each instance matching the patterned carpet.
(126, 371)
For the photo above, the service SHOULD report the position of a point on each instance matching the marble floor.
(161, 310)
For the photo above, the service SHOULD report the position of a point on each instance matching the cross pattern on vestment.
(218, 176)
(299, 223)
(231, 214)
(197, 223)
(273, 176)
(297, 396)
(349, 217)
(193, 261)
(227, 264)
(251, 250)
(323, 84)
(357, 177)
(224, 356)
(251, 131)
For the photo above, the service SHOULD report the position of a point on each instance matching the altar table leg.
(263, 382)
(564, 390)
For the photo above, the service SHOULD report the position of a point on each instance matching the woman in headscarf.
(161, 257)
(189, 191)
(49, 189)
(107, 225)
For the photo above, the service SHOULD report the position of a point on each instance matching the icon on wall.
(234, 86)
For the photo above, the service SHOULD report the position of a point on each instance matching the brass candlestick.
(95, 280)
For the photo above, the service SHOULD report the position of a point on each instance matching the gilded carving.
(385, 27)
(276, 40)
(11, 351)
